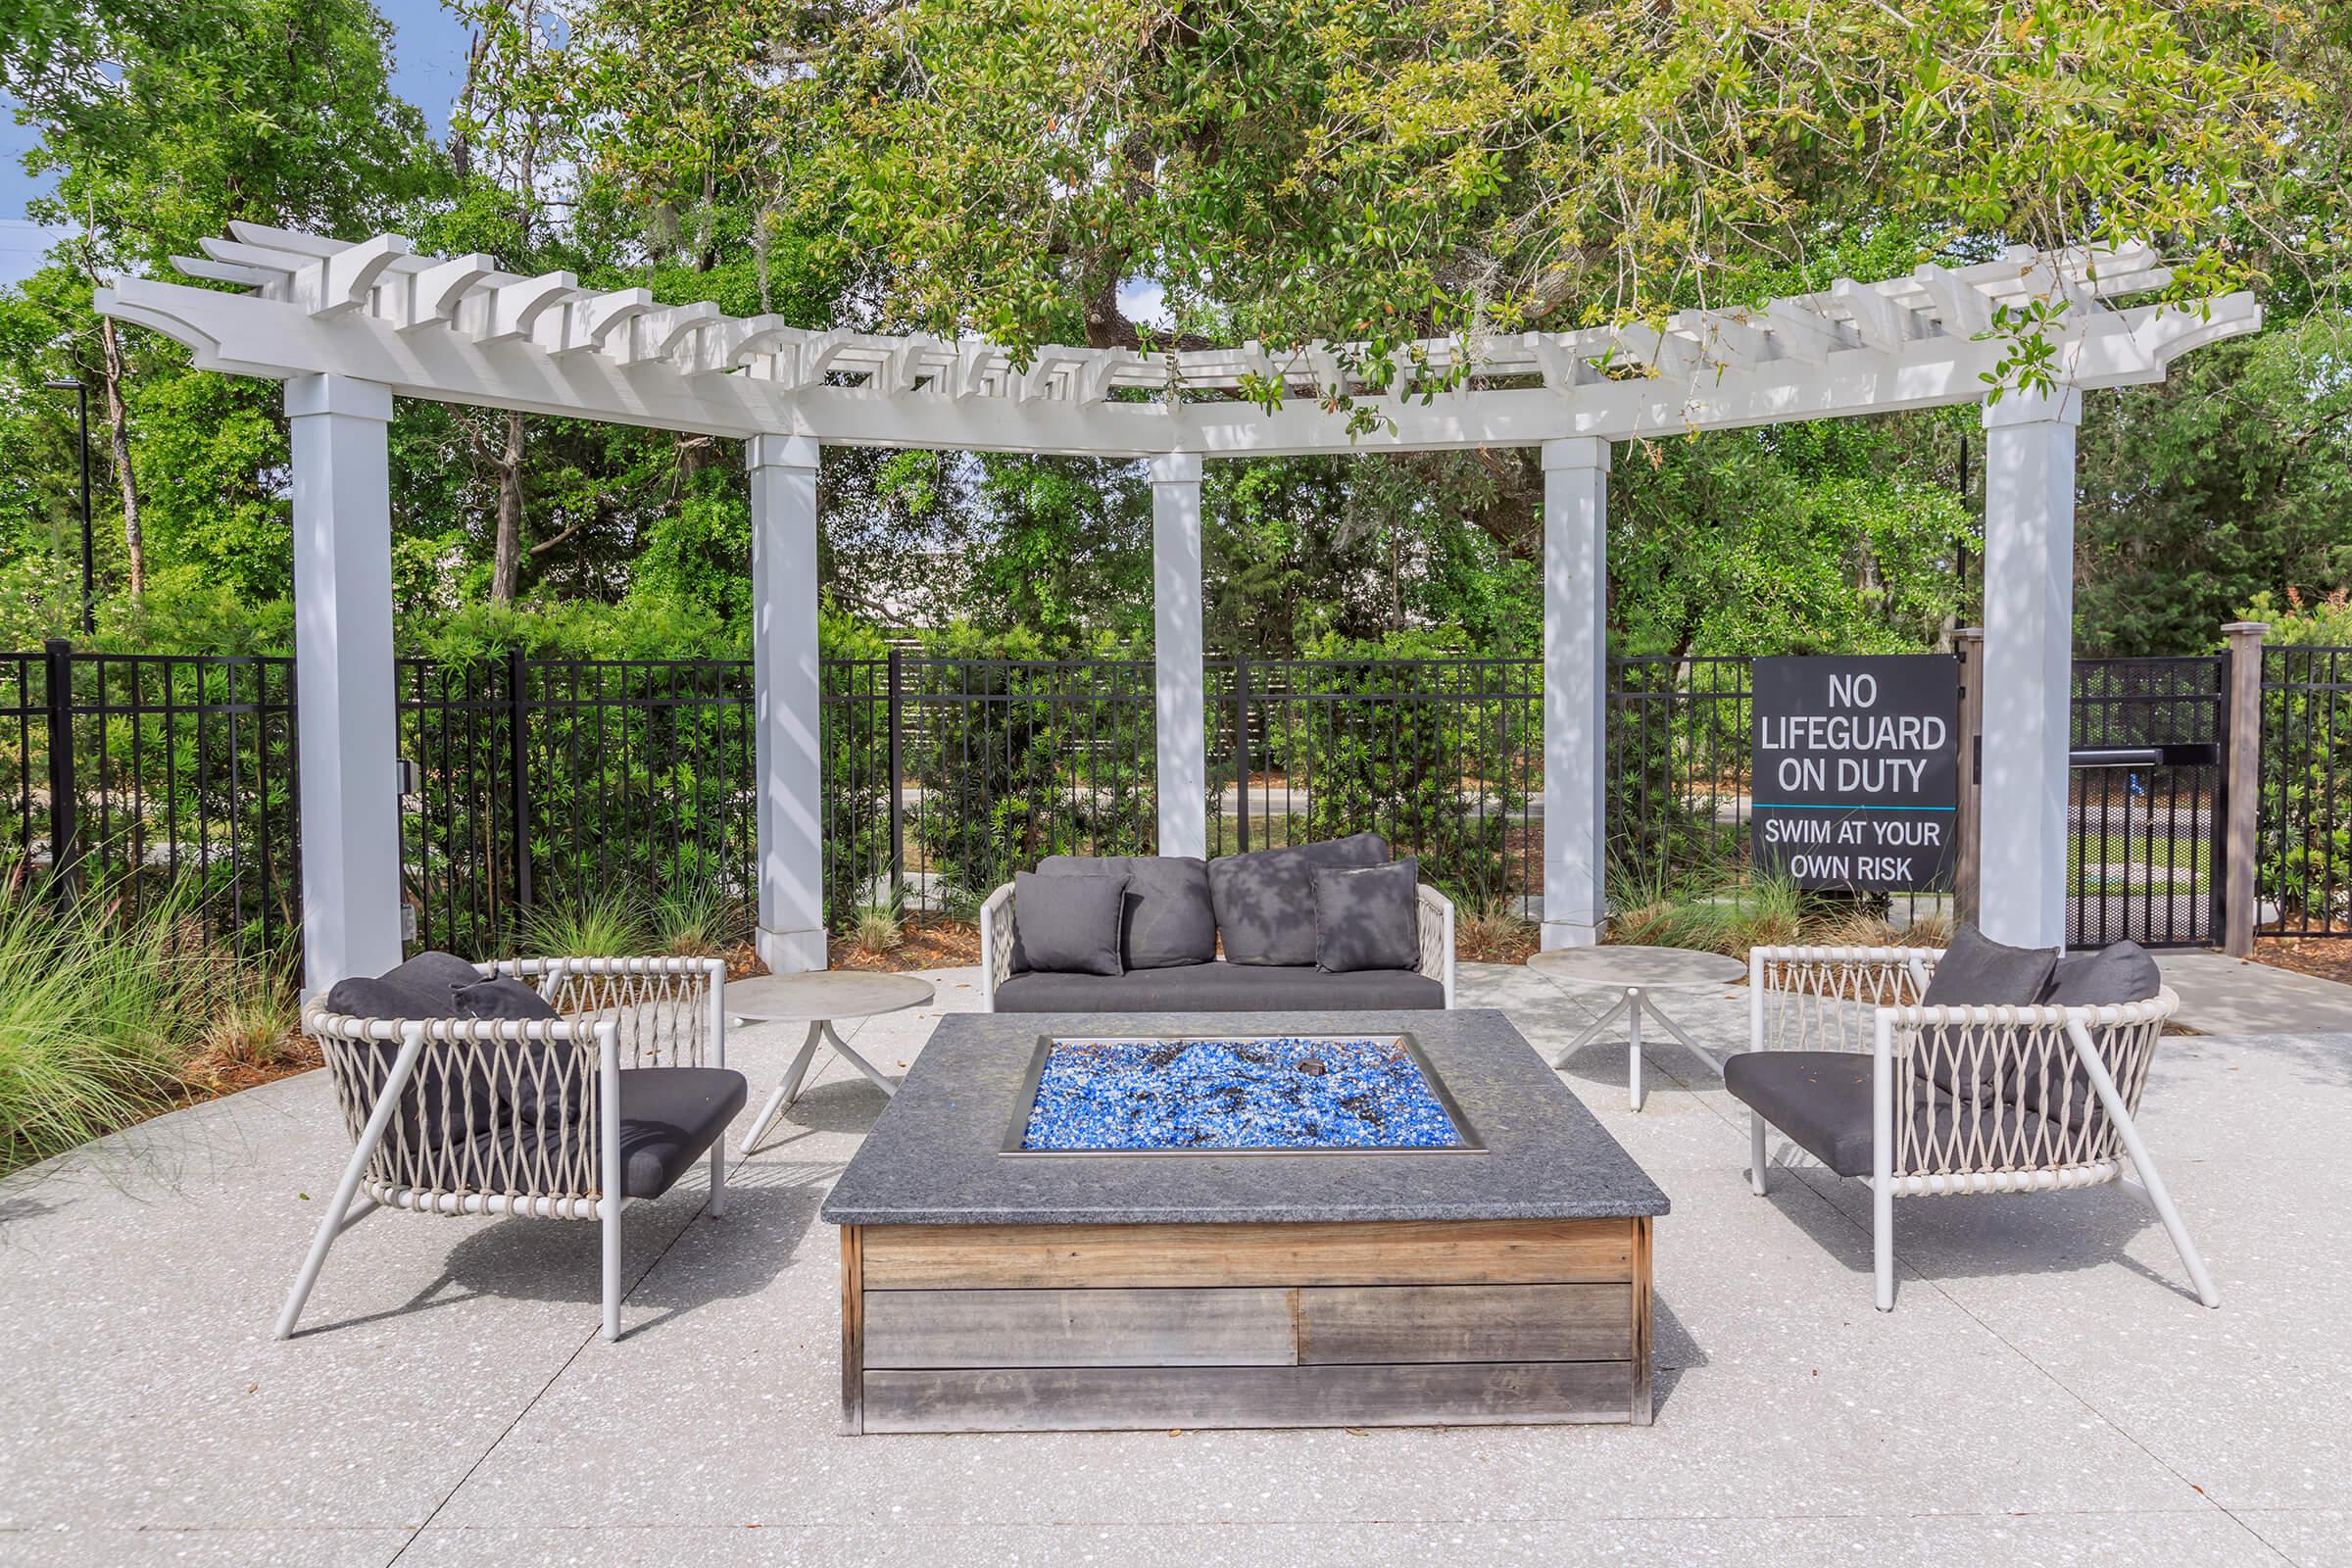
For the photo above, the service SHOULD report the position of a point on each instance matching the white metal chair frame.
(656, 1011)
(1436, 933)
(1829, 997)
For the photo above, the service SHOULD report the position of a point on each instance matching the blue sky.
(428, 64)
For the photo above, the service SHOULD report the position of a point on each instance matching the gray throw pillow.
(424, 987)
(1978, 971)
(2119, 972)
(1368, 918)
(504, 998)
(1069, 924)
(444, 1101)
(1265, 899)
(1168, 921)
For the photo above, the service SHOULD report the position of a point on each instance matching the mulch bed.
(2329, 958)
(930, 943)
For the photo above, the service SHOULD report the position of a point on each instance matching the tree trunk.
(505, 566)
(118, 420)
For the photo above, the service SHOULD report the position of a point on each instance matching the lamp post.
(89, 590)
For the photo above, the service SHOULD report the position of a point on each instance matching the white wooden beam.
(249, 334)
(788, 701)
(341, 282)
(1182, 780)
(343, 677)
(1576, 690)
(435, 293)
(2029, 642)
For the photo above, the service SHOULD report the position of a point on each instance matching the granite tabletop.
(935, 1156)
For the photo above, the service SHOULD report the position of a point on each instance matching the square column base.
(1566, 934)
(791, 952)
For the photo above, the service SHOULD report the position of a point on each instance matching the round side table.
(817, 998)
(1640, 973)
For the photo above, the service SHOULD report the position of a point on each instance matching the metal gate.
(2145, 801)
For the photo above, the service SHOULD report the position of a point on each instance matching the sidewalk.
(2225, 995)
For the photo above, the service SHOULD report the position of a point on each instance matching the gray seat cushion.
(1168, 920)
(669, 1118)
(1368, 917)
(1821, 1099)
(1067, 924)
(1265, 899)
(1220, 988)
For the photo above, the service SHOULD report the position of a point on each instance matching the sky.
(429, 64)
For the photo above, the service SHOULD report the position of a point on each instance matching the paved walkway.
(2224, 996)
(2045, 1392)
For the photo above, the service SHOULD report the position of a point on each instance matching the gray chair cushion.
(669, 1118)
(1221, 988)
(504, 998)
(1821, 1099)
(1265, 899)
(1168, 920)
(1368, 917)
(2119, 972)
(1068, 925)
(1978, 971)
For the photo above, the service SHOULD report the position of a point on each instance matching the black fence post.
(64, 849)
(898, 781)
(519, 762)
(1240, 750)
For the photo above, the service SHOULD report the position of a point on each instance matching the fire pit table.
(1239, 1220)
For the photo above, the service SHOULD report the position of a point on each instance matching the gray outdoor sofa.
(1240, 932)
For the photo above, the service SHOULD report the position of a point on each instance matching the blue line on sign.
(1792, 806)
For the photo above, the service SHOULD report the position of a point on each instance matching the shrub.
(97, 1013)
(1395, 751)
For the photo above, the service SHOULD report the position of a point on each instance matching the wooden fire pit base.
(1015, 1328)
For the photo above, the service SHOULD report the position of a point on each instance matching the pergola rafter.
(458, 329)
(349, 325)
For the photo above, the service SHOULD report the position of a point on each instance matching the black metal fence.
(534, 782)
(2303, 838)
(154, 776)
(2146, 799)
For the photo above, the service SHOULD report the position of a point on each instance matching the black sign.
(1856, 777)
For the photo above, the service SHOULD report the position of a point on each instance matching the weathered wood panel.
(852, 1330)
(1379, 1252)
(1059, 1399)
(1644, 1241)
(1241, 1327)
(1397, 1323)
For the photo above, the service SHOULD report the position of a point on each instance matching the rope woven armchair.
(609, 1100)
(1939, 1100)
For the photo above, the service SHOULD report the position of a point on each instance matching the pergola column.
(784, 677)
(1183, 777)
(1576, 689)
(2029, 662)
(343, 677)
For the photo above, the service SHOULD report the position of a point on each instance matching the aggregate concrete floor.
(2046, 1392)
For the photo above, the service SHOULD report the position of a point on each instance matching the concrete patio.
(2046, 1392)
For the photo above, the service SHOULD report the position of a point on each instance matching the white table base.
(1633, 1005)
(790, 1089)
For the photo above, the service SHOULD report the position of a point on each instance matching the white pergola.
(348, 326)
